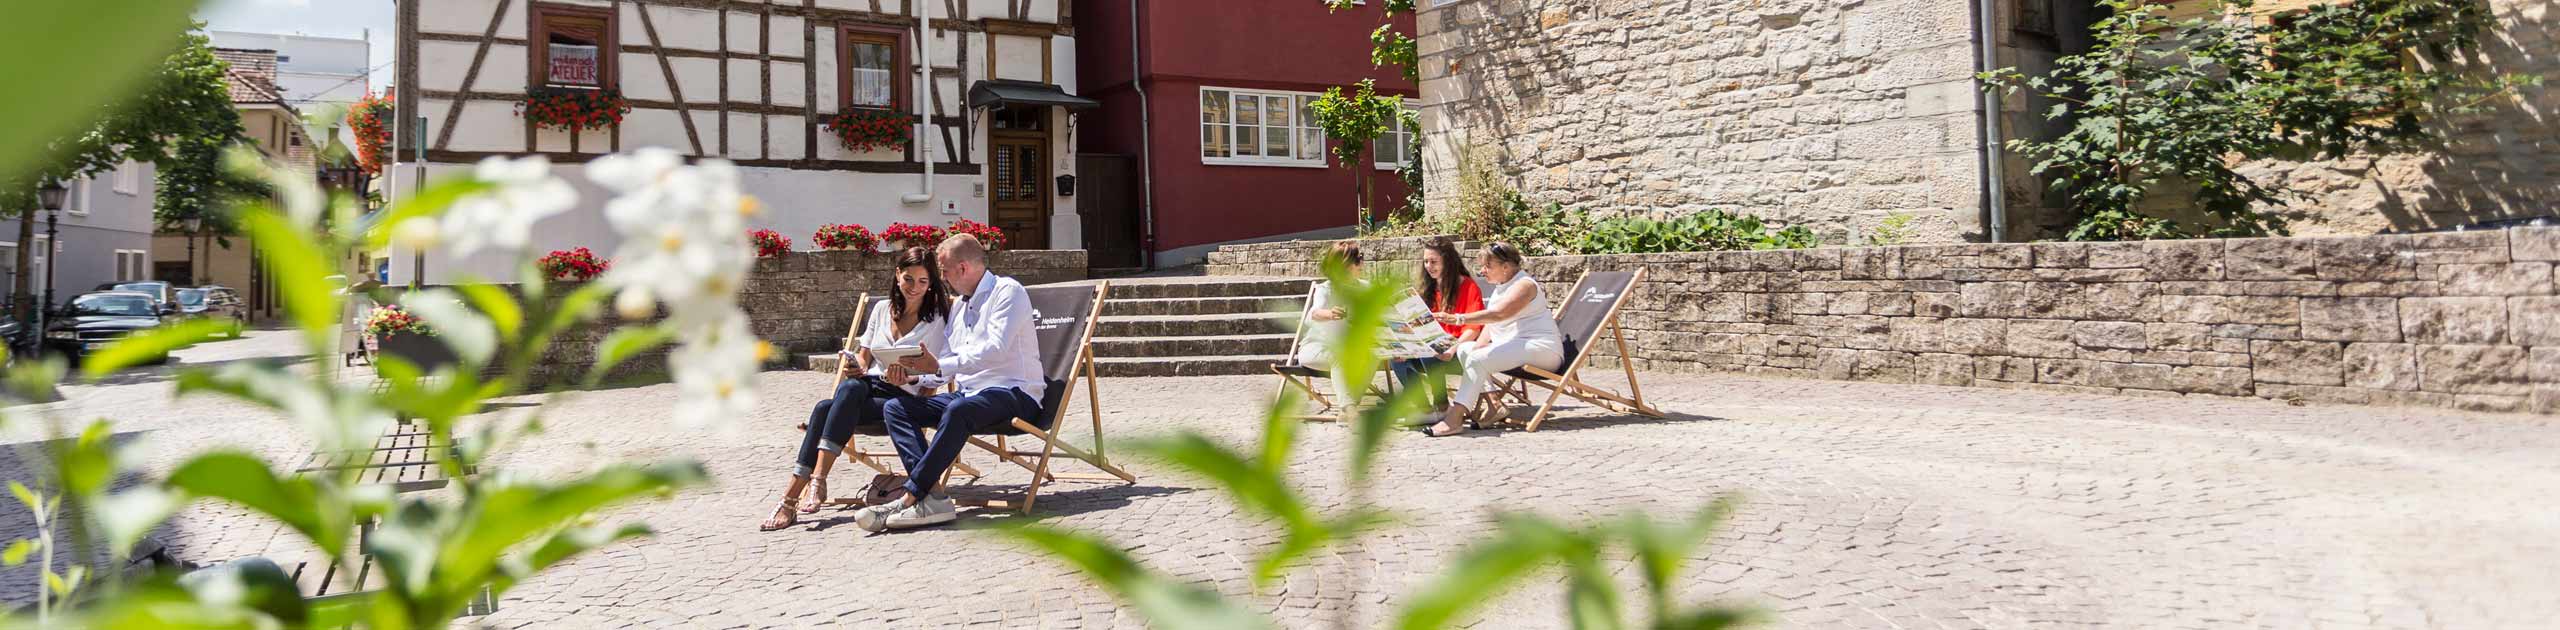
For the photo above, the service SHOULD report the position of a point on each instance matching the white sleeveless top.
(1534, 323)
(928, 334)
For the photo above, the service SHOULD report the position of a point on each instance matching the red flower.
(910, 235)
(991, 236)
(769, 243)
(573, 110)
(573, 264)
(843, 237)
(870, 129)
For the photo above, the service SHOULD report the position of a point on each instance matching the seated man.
(991, 359)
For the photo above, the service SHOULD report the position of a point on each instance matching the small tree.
(185, 101)
(1353, 120)
(2159, 104)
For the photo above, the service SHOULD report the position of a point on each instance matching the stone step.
(1218, 365)
(1204, 305)
(821, 362)
(1196, 287)
(1176, 347)
(1197, 325)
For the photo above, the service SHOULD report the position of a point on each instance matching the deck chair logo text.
(1045, 323)
(1596, 296)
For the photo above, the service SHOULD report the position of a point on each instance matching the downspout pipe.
(924, 119)
(1996, 208)
(1146, 147)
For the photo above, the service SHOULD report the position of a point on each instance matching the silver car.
(219, 303)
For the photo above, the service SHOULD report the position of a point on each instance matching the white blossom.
(715, 369)
(524, 192)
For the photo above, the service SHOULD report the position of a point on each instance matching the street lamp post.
(52, 196)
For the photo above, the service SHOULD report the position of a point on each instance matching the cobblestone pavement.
(1865, 505)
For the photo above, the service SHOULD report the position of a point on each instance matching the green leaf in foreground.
(1166, 604)
(58, 79)
(151, 345)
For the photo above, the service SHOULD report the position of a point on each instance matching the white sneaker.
(874, 518)
(932, 510)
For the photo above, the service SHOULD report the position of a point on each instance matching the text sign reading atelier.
(573, 64)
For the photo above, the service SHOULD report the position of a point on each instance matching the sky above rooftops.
(325, 18)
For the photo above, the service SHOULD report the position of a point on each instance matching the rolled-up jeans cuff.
(804, 471)
(830, 446)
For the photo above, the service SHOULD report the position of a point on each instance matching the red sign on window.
(573, 64)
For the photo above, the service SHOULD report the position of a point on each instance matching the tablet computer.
(893, 353)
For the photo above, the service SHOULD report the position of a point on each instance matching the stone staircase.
(1197, 326)
(1187, 326)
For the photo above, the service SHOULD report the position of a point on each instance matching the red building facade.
(1220, 136)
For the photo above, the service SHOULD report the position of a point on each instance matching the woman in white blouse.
(1518, 331)
(1324, 322)
(917, 309)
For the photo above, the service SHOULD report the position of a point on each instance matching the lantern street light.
(52, 196)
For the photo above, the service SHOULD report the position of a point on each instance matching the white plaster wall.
(655, 127)
(789, 86)
(796, 203)
(443, 63)
(1062, 63)
(746, 81)
(787, 36)
(471, 17)
(678, 27)
(487, 126)
(826, 94)
(742, 136)
(790, 138)
(1018, 57)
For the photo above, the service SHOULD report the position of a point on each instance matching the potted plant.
(864, 130)
(576, 265)
(573, 109)
(397, 333)
(905, 235)
(769, 243)
(841, 237)
(991, 236)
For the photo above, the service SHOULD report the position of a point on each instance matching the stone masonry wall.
(801, 302)
(2467, 320)
(1832, 115)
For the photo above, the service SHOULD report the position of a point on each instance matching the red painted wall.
(1290, 45)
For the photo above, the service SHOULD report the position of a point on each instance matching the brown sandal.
(817, 495)
(785, 516)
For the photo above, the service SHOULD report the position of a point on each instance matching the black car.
(18, 337)
(95, 320)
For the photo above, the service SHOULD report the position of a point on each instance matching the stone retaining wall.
(2467, 320)
(801, 302)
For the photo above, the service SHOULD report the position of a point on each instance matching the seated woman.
(1324, 322)
(918, 308)
(1519, 330)
(1448, 288)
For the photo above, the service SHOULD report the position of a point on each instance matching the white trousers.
(1320, 356)
(1483, 361)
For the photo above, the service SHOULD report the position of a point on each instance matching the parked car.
(219, 303)
(162, 293)
(18, 337)
(94, 320)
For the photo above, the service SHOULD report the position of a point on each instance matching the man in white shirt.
(992, 360)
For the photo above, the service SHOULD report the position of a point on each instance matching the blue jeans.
(1408, 371)
(857, 402)
(954, 417)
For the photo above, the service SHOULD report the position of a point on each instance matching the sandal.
(785, 516)
(1462, 430)
(817, 495)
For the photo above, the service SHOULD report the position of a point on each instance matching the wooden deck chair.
(862, 307)
(1303, 377)
(1588, 310)
(1065, 317)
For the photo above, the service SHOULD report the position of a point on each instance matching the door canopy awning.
(993, 92)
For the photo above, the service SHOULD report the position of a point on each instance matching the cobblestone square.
(1864, 505)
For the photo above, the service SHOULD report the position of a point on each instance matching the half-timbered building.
(757, 82)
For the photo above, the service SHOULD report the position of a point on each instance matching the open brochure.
(1411, 333)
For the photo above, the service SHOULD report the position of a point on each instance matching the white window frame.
(1396, 135)
(129, 178)
(77, 203)
(1298, 126)
(131, 264)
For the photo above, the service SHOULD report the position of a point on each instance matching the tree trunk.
(24, 286)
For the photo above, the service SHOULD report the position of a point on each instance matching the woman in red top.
(1448, 288)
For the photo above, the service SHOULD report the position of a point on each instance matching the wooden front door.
(1018, 190)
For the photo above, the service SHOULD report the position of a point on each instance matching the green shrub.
(1712, 230)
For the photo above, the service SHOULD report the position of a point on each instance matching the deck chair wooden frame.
(1303, 377)
(1511, 386)
(853, 446)
(1052, 446)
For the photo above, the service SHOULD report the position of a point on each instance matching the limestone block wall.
(1832, 115)
(801, 302)
(2466, 320)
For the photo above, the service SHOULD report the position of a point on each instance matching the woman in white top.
(1324, 322)
(1518, 331)
(914, 316)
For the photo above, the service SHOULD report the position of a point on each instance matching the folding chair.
(853, 447)
(1592, 306)
(1065, 317)
(1303, 377)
